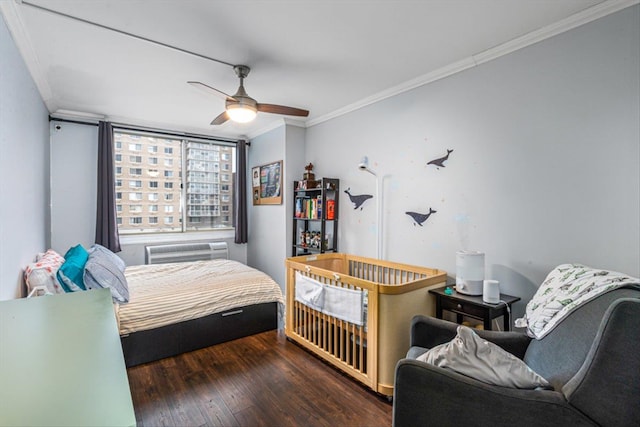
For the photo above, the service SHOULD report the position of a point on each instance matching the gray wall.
(545, 167)
(24, 171)
(270, 226)
(74, 162)
(266, 249)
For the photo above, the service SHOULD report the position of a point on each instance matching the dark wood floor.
(263, 380)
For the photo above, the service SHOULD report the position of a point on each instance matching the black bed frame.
(171, 340)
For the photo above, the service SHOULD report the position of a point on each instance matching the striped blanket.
(163, 294)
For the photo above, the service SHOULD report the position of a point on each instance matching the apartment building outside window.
(183, 175)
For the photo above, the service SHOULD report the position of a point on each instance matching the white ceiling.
(328, 57)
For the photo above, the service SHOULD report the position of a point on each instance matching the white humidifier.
(469, 272)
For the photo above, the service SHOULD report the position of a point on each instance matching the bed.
(186, 297)
(183, 306)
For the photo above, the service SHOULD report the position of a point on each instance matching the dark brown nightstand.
(473, 306)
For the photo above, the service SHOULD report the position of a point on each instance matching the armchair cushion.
(470, 355)
(428, 332)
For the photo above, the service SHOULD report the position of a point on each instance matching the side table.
(474, 307)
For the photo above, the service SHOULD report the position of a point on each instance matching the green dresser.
(61, 362)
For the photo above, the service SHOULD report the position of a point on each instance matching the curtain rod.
(143, 129)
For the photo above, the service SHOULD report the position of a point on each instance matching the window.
(196, 191)
(118, 170)
(118, 157)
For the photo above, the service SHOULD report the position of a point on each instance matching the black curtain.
(240, 193)
(106, 227)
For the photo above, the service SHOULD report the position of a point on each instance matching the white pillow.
(42, 273)
(470, 355)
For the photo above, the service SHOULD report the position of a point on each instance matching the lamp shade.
(241, 113)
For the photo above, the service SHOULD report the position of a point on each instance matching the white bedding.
(566, 288)
(163, 294)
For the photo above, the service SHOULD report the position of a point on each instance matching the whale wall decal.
(439, 162)
(359, 199)
(420, 218)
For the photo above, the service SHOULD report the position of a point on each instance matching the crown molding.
(13, 19)
(276, 124)
(75, 115)
(433, 76)
(593, 13)
(588, 15)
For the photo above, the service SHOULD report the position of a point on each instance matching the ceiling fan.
(240, 107)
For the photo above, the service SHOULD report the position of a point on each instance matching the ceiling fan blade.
(208, 89)
(222, 117)
(281, 109)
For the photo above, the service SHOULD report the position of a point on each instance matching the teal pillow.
(70, 275)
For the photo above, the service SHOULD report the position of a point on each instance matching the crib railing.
(391, 290)
(348, 346)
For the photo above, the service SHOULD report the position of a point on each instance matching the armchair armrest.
(607, 385)
(429, 395)
(429, 332)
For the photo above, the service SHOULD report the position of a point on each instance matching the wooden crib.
(392, 294)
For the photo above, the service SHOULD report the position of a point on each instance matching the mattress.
(163, 294)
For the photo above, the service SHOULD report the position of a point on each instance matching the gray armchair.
(592, 360)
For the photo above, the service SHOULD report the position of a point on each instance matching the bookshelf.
(315, 216)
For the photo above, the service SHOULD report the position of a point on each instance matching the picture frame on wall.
(266, 181)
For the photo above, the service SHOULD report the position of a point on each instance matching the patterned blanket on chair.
(567, 287)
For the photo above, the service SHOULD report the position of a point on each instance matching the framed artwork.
(266, 184)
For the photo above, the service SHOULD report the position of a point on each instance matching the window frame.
(180, 180)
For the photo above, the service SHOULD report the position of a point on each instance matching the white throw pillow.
(470, 355)
(42, 273)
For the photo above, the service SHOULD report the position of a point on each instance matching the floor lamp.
(364, 166)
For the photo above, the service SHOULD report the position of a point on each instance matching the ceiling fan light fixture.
(241, 113)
